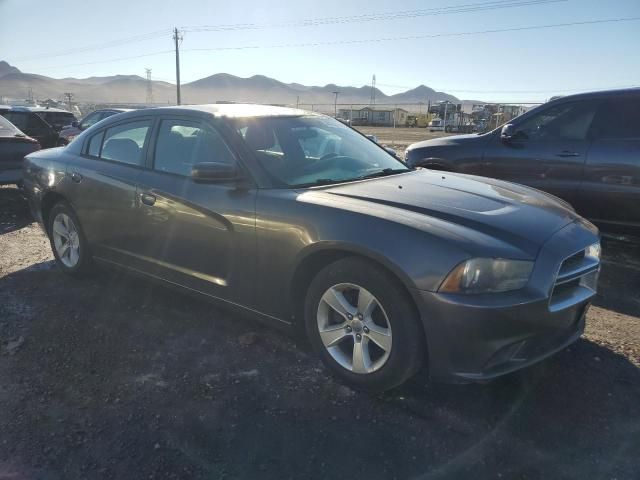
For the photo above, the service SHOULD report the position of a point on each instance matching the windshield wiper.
(383, 173)
(318, 182)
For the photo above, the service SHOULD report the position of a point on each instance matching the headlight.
(487, 275)
(593, 251)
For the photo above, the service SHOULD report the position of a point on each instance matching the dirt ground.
(114, 377)
(401, 138)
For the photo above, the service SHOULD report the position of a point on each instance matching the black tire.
(84, 266)
(407, 352)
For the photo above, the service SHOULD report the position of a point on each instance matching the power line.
(112, 59)
(464, 8)
(100, 46)
(566, 90)
(414, 37)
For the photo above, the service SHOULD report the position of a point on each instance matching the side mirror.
(507, 133)
(75, 124)
(210, 172)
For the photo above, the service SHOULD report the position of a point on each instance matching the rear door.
(610, 192)
(547, 152)
(199, 235)
(102, 187)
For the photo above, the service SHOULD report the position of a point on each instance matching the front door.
(610, 192)
(548, 150)
(198, 235)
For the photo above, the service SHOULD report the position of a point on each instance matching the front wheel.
(69, 245)
(363, 325)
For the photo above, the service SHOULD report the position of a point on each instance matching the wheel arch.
(48, 201)
(313, 259)
(436, 163)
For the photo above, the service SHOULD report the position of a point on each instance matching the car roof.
(33, 109)
(110, 109)
(597, 94)
(45, 109)
(239, 110)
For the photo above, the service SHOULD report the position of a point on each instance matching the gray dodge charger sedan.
(301, 221)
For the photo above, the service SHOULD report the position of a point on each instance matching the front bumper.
(480, 337)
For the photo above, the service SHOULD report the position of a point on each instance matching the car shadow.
(618, 287)
(126, 372)
(14, 210)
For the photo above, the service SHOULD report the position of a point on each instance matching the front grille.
(575, 282)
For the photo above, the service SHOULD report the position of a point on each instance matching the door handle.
(618, 179)
(148, 199)
(567, 153)
(76, 177)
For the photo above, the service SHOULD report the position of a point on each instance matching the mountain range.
(14, 84)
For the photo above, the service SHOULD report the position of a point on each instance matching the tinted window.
(90, 120)
(568, 121)
(181, 144)
(57, 119)
(618, 118)
(94, 144)
(125, 142)
(19, 119)
(7, 129)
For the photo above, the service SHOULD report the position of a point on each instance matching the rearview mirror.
(214, 172)
(507, 133)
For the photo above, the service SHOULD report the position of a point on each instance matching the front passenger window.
(125, 143)
(569, 121)
(182, 143)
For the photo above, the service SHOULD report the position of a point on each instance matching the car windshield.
(313, 150)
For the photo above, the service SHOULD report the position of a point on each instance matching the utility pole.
(298, 101)
(177, 38)
(149, 99)
(69, 97)
(372, 101)
(335, 104)
(446, 104)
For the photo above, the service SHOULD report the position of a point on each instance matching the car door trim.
(194, 290)
(171, 266)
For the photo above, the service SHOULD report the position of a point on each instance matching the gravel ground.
(400, 138)
(113, 377)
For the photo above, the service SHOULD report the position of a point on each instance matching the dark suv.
(31, 122)
(55, 117)
(583, 148)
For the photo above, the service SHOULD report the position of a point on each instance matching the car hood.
(519, 216)
(452, 140)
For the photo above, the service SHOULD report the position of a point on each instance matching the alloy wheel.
(66, 240)
(354, 328)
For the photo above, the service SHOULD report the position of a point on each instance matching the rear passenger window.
(182, 143)
(124, 143)
(94, 144)
(618, 119)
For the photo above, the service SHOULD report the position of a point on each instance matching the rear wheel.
(68, 242)
(363, 325)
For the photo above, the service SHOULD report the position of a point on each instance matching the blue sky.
(515, 66)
